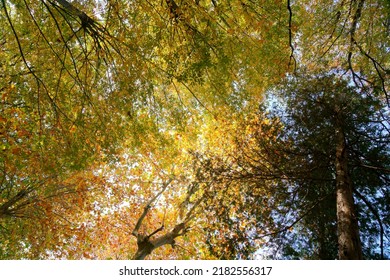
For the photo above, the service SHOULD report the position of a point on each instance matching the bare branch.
(292, 58)
(297, 220)
(147, 208)
(156, 231)
(85, 19)
(377, 217)
(146, 244)
(355, 21)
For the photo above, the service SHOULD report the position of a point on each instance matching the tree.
(85, 84)
(348, 35)
(328, 138)
(358, 128)
(79, 78)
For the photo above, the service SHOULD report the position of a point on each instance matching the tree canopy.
(194, 129)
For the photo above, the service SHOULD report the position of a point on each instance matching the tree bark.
(85, 19)
(347, 224)
(146, 244)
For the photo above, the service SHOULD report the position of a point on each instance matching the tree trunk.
(347, 224)
(146, 245)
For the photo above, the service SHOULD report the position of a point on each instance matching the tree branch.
(307, 212)
(147, 208)
(355, 21)
(378, 218)
(146, 244)
(290, 36)
(85, 19)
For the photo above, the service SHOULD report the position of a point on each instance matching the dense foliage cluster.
(194, 129)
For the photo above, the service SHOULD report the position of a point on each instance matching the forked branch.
(148, 242)
(147, 208)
